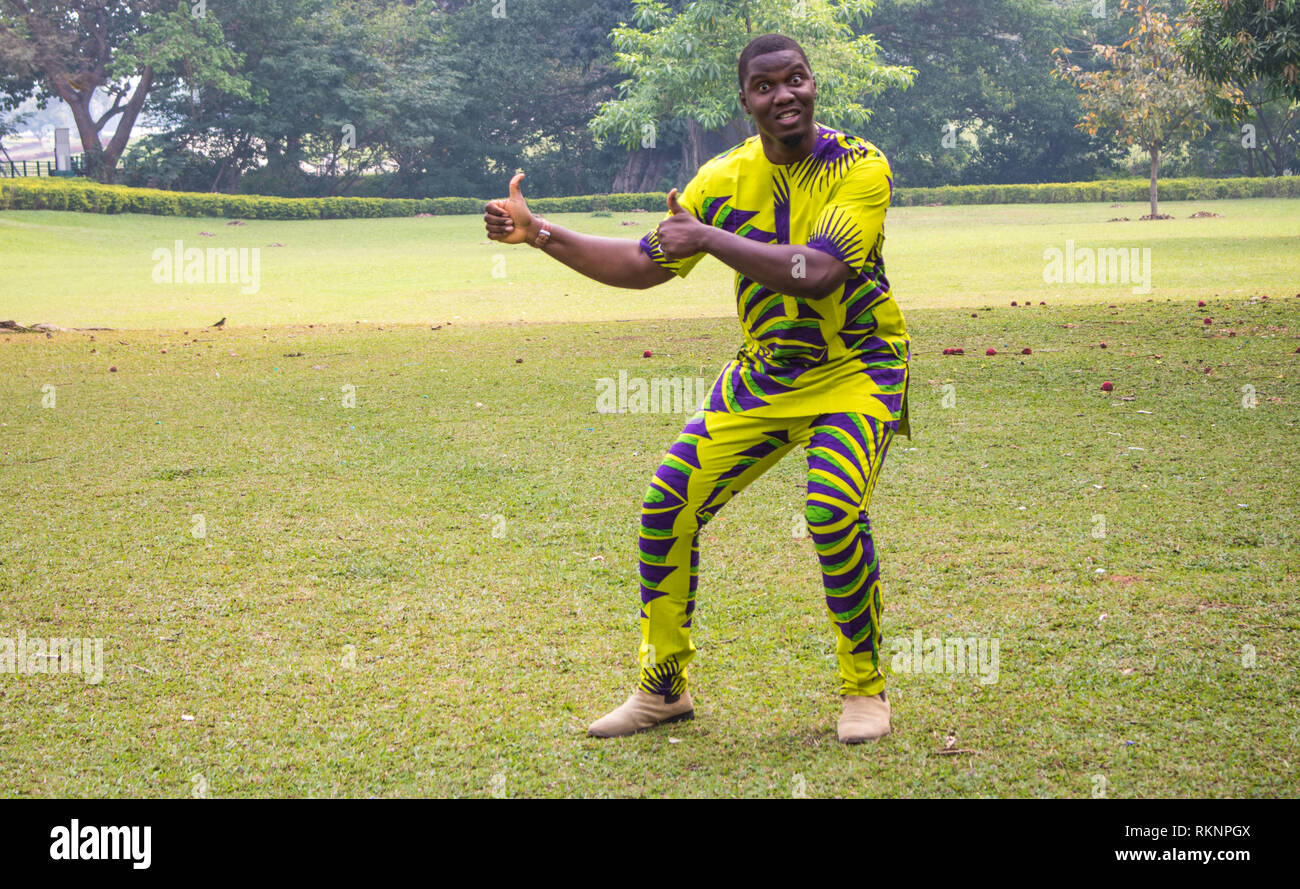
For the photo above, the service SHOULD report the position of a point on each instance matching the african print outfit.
(828, 373)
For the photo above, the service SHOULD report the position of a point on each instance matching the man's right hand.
(509, 221)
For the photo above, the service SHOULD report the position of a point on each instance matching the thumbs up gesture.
(681, 234)
(509, 221)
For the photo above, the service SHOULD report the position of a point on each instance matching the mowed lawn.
(88, 270)
(378, 559)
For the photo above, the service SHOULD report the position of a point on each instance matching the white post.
(62, 150)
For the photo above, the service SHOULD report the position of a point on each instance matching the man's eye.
(796, 79)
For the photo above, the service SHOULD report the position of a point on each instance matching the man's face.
(779, 94)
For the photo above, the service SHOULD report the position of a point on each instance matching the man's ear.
(743, 103)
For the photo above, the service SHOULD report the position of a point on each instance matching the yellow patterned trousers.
(717, 455)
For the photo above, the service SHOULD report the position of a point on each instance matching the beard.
(793, 140)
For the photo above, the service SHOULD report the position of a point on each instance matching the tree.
(1143, 93)
(528, 100)
(1249, 55)
(681, 67)
(984, 107)
(72, 49)
(446, 98)
(1239, 42)
(315, 71)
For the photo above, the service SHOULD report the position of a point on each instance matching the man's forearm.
(792, 269)
(618, 262)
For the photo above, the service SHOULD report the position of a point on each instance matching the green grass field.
(444, 269)
(433, 592)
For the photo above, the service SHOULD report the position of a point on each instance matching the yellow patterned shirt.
(845, 351)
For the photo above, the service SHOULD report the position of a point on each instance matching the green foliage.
(682, 65)
(1236, 42)
(126, 50)
(189, 50)
(984, 106)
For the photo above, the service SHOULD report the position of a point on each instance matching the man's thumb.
(514, 186)
(673, 206)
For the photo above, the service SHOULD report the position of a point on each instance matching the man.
(798, 211)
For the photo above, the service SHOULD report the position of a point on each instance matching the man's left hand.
(681, 235)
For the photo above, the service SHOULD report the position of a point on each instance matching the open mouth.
(788, 115)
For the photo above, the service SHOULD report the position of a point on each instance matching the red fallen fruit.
(1209, 320)
(645, 354)
(1042, 303)
(959, 351)
(1207, 370)
(990, 351)
(1107, 386)
(1013, 302)
(947, 351)
(1026, 351)
(1200, 303)
(973, 315)
(1297, 350)
(1103, 345)
(519, 361)
(113, 369)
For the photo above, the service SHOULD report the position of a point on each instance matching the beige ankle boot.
(642, 711)
(864, 718)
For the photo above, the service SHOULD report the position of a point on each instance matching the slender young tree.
(1142, 92)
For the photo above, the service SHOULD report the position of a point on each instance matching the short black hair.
(761, 46)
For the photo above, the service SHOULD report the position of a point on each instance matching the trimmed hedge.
(91, 197)
(1112, 190)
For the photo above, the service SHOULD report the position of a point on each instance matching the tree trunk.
(79, 103)
(125, 124)
(737, 131)
(633, 168)
(1274, 158)
(221, 171)
(692, 149)
(641, 172)
(101, 160)
(653, 173)
(1155, 172)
